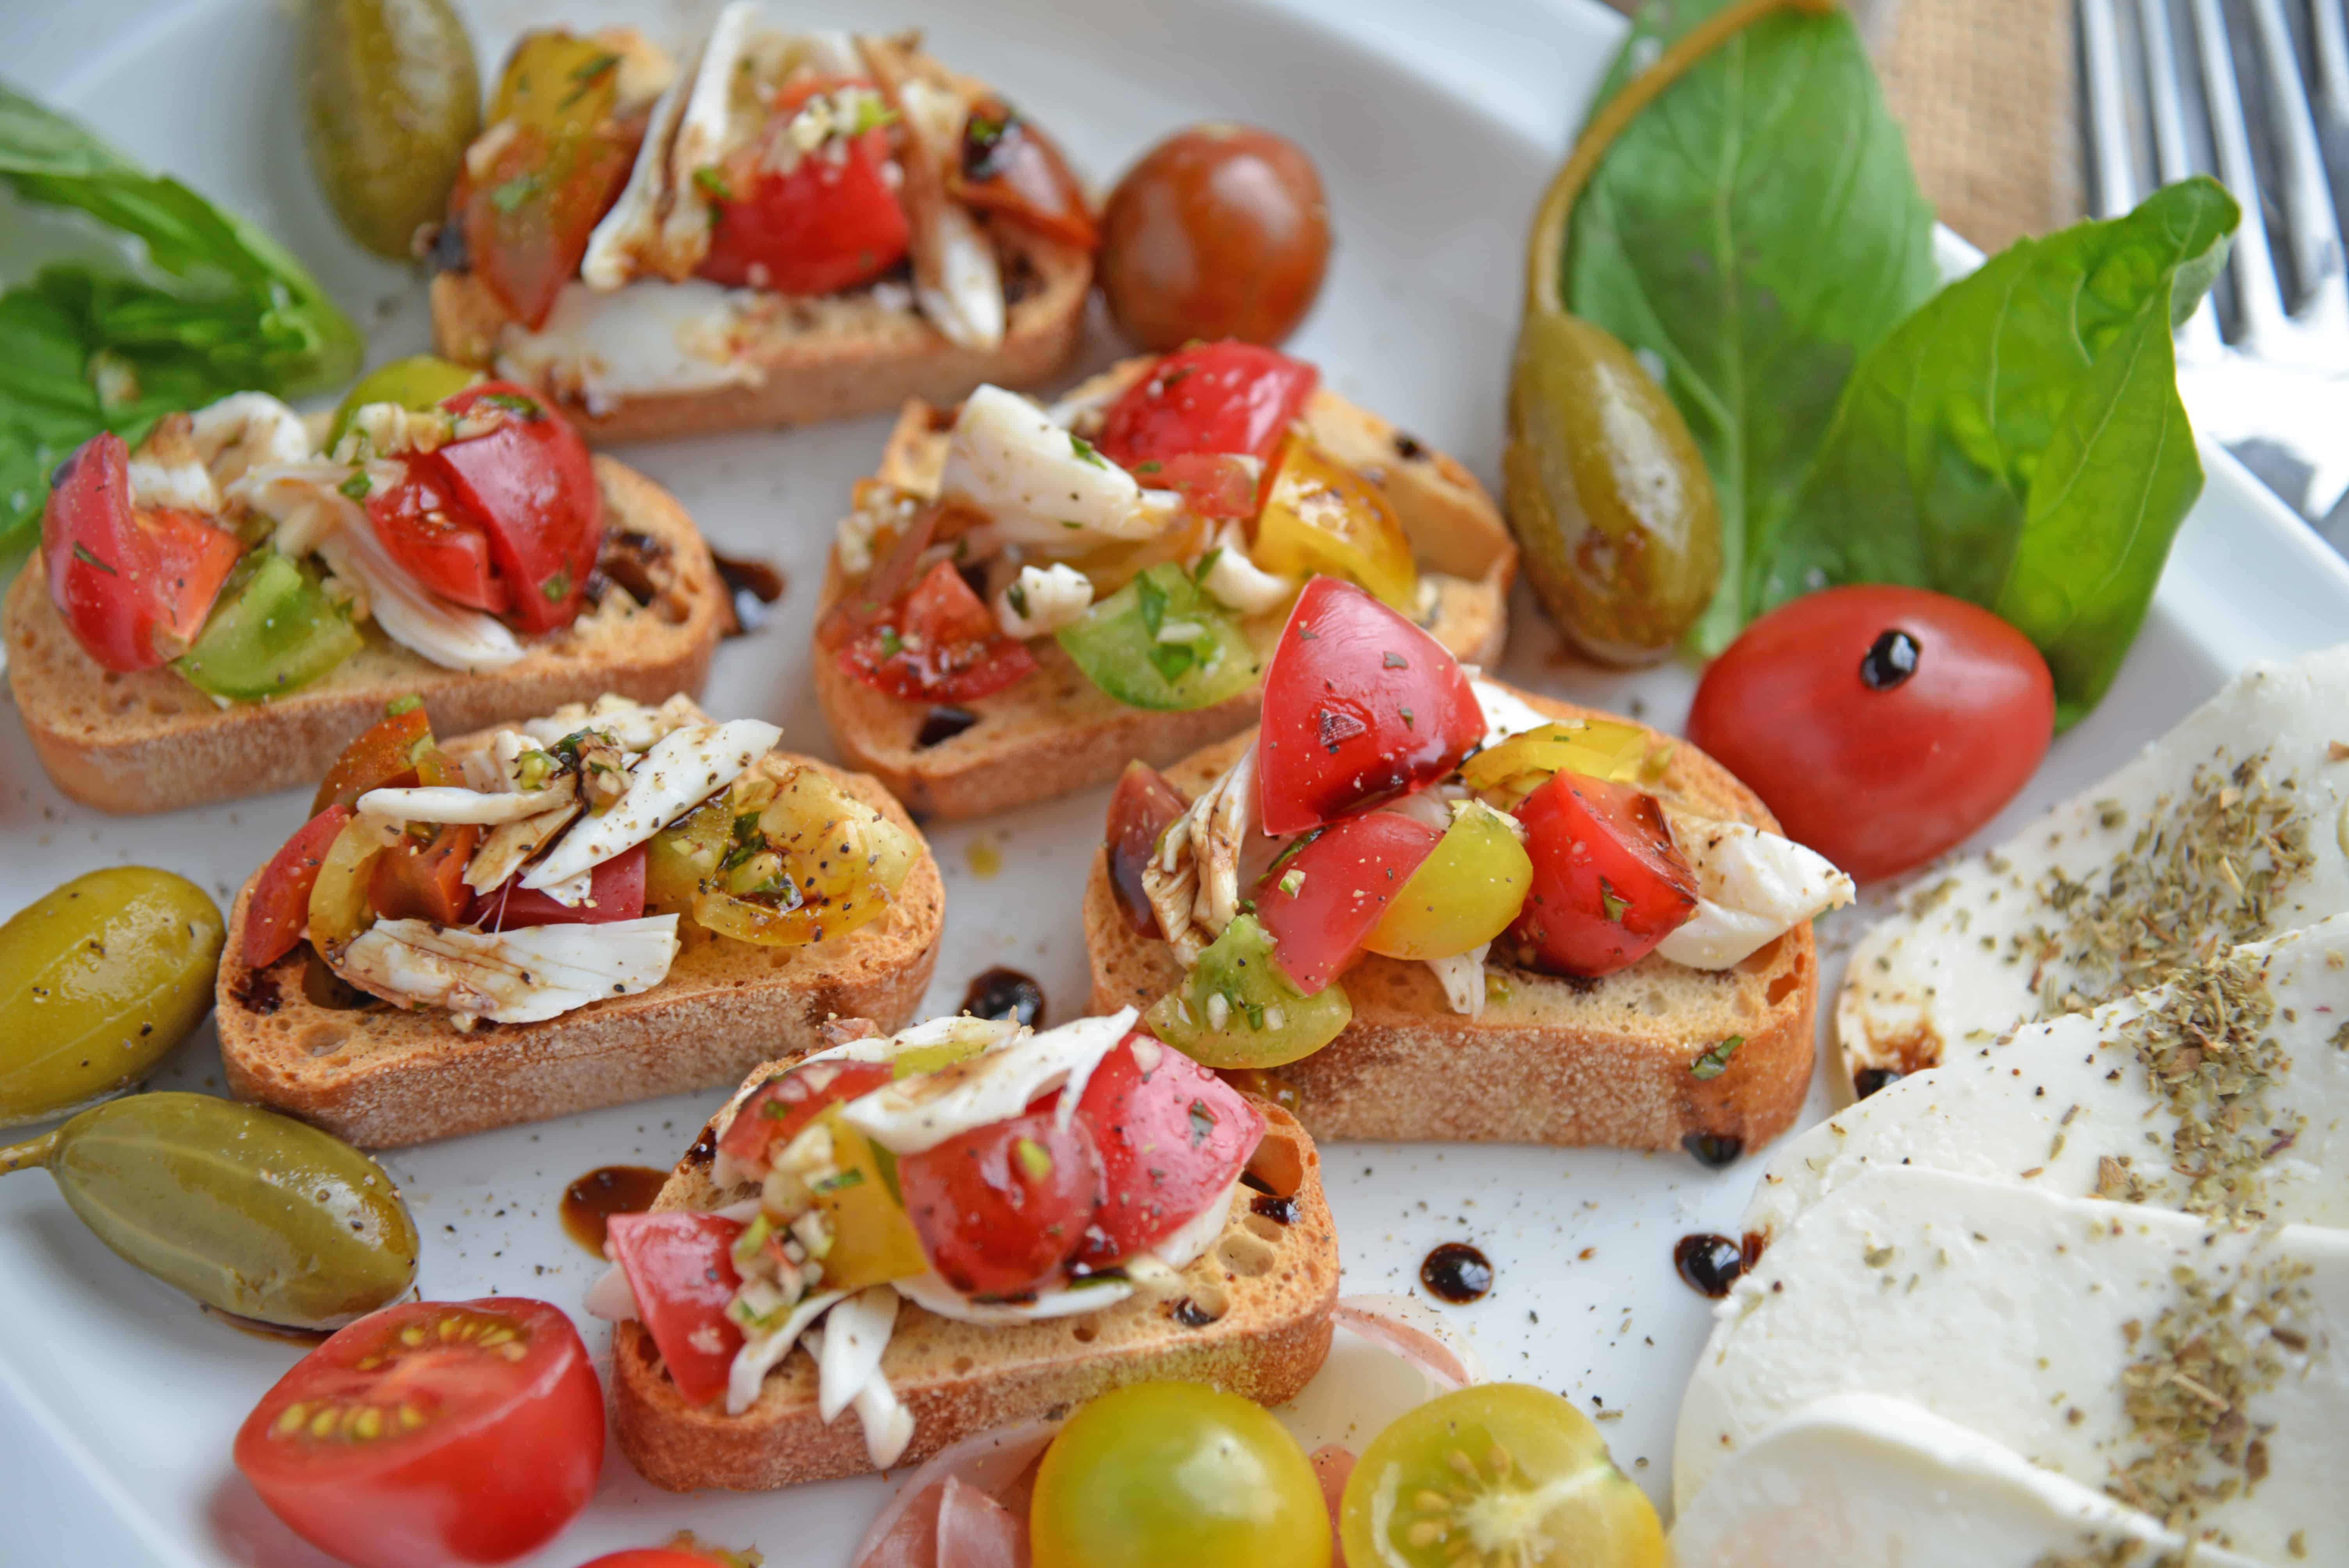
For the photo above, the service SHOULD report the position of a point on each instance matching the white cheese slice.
(642, 338)
(684, 769)
(919, 1113)
(632, 723)
(1042, 600)
(1998, 938)
(2069, 1106)
(1006, 459)
(245, 430)
(855, 1333)
(2019, 1315)
(511, 976)
(1861, 1478)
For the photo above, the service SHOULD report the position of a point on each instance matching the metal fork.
(2276, 388)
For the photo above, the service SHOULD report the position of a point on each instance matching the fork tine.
(2108, 127)
(2198, 340)
(2257, 295)
(2332, 57)
(2309, 221)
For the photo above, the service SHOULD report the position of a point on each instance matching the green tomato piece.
(418, 382)
(1161, 643)
(1174, 1475)
(1463, 895)
(272, 631)
(1237, 1010)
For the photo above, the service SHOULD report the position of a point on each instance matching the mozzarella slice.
(1754, 887)
(888, 1424)
(705, 130)
(448, 803)
(2029, 1319)
(2173, 842)
(917, 1114)
(1042, 600)
(642, 338)
(1237, 582)
(1506, 713)
(511, 976)
(855, 1333)
(1462, 975)
(683, 769)
(1861, 1478)
(958, 281)
(1006, 459)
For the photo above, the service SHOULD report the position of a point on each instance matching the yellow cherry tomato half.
(1464, 894)
(872, 1241)
(1320, 516)
(1601, 748)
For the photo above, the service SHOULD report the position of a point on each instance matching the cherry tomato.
(1322, 902)
(382, 757)
(1319, 515)
(1463, 895)
(134, 585)
(1177, 1475)
(617, 892)
(431, 1432)
(1010, 167)
(280, 906)
(437, 542)
(780, 1109)
(1219, 485)
(531, 486)
(876, 600)
(1215, 398)
(426, 880)
(1001, 1207)
(1144, 807)
(680, 1268)
(818, 228)
(1220, 231)
(1609, 883)
(1171, 1137)
(1359, 705)
(1880, 725)
(942, 644)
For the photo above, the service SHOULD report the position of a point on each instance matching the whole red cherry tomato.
(1880, 725)
(430, 1433)
(1608, 884)
(1001, 1207)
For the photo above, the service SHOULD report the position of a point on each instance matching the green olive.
(247, 1211)
(418, 382)
(1608, 495)
(391, 99)
(98, 980)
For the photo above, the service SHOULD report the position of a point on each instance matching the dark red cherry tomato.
(1001, 1207)
(1171, 1137)
(1319, 904)
(1359, 705)
(1880, 725)
(615, 892)
(1609, 883)
(1010, 167)
(1217, 397)
(1140, 812)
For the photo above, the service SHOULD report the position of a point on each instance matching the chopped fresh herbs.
(509, 196)
(358, 487)
(1613, 902)
(1150, 466)
(1018, 597)
(892, 644)
(712, 184)
(400, 704)
(514, 403)
(81, 552)
(1086, 451)
(586, 75)
(556, 586)
(1715, 1062)
(838, 1181)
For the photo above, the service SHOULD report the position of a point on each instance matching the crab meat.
(635, 726)
(450, 803)
(683, 769)
(1237, 582)
(509, 844)
(1193, 882)
(168, 471)
(958, 280)
(1040, 485)
(510, 976)
(245, 430)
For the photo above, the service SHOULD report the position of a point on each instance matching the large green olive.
(1610, 500)
(391, 99)
(247, 1211)
(98, 980)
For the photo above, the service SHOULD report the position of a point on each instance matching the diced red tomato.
(680, 1268)
(941, 646)
(134, 585)
(527, 218)
(1145, 806)
(1009, 167)
(1222, 397)
(1002, 1207)
(426, 880)
(831, 222)
(617, 892)
(1221, 485)
(1609, 883)
(431, 1433)
(280, 906)
(1343, 879)
(1359, 706)
(381, 756)
(531, 486)
(876, 600)
(1171, 1137)
(780, 1109)
(437, 542)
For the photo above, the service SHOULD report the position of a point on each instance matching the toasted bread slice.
(380, 1077)
(151, 742)
(1252, 1318)
(1054, 731)
(1552, 1059)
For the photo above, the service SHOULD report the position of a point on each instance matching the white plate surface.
(1434, 131)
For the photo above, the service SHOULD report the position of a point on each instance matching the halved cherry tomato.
(531, 485)
(1010, 167)
(1140, 812)
(1319, 904)
(1463, 895)
(1001, 1207)
(831, 222)
(941, 646)
(1359, 705)
(1215, 397)
(280, 906)
(430, 1433)
(1220, 485)
(133, 585)
(382, 757)
(780, 1109)
(425, 879)
(871, 602)
(1609, 883)
(436, 541)
(680, 1268)
(617, 892)
(1171, 1137)
(1319, 515)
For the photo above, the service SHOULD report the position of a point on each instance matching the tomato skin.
(680, 1266)
(381, 756)
(425, 881)
(818, 229)
(992, 1222)
(942, 644)
(280, 907)
(1009, 167)
(1877, 780)
(1215, 398)
(1360, 705)
(421, 528)
(531, 486)
(1220, 485)
(1172, 1137)
(1145, 806)
(507, 1453)
(1608, 882)
(133, 586)
(616, 893)
(798, 1097)
(1345, 878)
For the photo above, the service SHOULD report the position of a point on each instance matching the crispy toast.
(151, 742)
(380, 1077)
(1552, 1059)
(1254, 1319)
(1054, 731)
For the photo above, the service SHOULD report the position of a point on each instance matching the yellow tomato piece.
(339, 909)
(685, 855)
(558, 81)
(1322, 516)
(1465, 894)
(872, 1242)
(823, 864)
(1600, 748)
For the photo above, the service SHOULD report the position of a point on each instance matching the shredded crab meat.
(512, 977)
(1193, 882)
(1462, 975)
(958, 281)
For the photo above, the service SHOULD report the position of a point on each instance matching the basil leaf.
(1757, 228)
(2020, 442)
